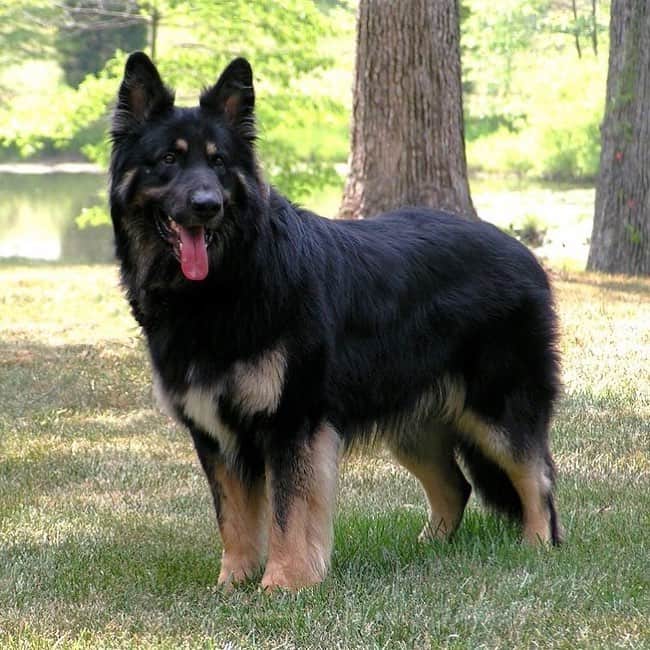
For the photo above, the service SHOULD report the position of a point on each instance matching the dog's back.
(276, 335)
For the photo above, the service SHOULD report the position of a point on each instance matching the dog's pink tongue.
(194, 254)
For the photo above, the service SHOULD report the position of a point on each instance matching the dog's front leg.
(301, 483)
(241, 509)
(242, 524)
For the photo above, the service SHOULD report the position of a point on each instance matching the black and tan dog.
(280, 338)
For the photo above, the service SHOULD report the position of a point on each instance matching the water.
(38, 213)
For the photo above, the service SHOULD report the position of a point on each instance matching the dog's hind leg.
(529, 468)
(431, 460)
(241, 508)
(302, 489)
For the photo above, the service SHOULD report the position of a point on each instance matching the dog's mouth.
(189, 245)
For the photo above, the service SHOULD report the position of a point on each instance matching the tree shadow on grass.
(387, 544)
(612, 284)
(148, 565)
(87, 473)
(37, 378)
(136, 561)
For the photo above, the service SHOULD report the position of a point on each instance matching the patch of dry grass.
(107, 537)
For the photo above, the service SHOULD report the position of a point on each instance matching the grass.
(107, 536)
(565, 212)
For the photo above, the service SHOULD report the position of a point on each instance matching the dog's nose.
(205, 202)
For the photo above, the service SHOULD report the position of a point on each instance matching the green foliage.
(581, 21)
(279, 39)
(91, 31)
(91, 217)
(571, 152)
(634, 234)
(26, 30)
(532, 231)
(196, 40)
(535, 107)
(490, 64)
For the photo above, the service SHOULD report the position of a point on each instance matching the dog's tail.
(490, 481)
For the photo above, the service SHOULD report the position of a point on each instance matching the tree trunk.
(408, 145)
(620, 240)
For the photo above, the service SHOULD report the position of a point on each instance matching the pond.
(38, 214)
(39, 207)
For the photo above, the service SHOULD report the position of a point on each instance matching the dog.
(281, 339)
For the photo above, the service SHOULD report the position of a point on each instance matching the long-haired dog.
(281, 338)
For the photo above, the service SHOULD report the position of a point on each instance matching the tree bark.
(620, 241)
(407, 139)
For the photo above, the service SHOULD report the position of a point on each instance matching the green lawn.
(107, 536)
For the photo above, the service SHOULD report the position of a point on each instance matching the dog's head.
(181, 178)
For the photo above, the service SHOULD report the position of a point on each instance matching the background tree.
(199, 38)
(279, 39)
(90, 31)
(25, 30)
(575, 18)
(407, 142)
(620, 241)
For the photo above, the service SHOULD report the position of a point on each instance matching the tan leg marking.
(528, 477)
(529, 481)
(299, 553)
(446, 490)
(242, 523)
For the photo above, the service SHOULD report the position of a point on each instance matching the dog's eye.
(169, 158)
(218, 163)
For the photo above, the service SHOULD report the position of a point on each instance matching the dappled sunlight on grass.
(565, 214)
(108, 536)
(55, 305)
(605, 333)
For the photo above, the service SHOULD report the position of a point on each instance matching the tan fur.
(528, 476)
(430, 457)
(210, 148)
(446, 500)
(299, 555)
(181, 145)
(257, 385)
(125, 182)
(200, 404)
(528, 480)
(492, 440)
(452, 398)
(447, 402)
(444, 402)
(145, 246)
(243, 526)
(250, 185)
(254, 386)
(150, 194)
(162, 397)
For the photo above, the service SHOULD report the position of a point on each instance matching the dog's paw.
(289, 579)
(234, 572)
(433, 532)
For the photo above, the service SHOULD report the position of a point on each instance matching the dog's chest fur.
(249, 388)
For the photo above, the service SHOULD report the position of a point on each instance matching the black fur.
(370, 315)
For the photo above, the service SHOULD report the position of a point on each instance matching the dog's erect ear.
(142, 93)
(233, 97)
